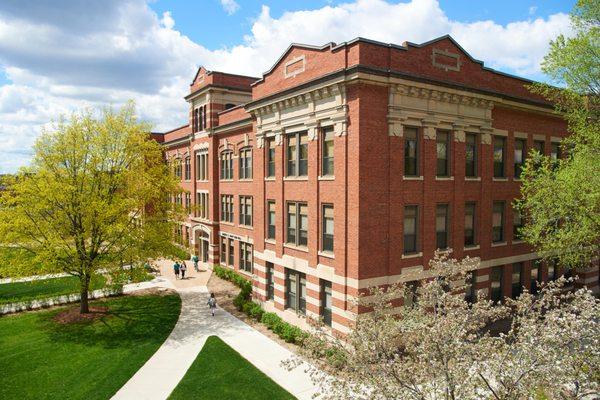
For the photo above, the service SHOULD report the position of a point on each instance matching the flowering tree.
(441, 347)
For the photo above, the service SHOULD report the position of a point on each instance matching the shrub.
(247, 307)
(270, 320)
(256, 312)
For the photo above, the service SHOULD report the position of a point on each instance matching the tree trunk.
(84, 307)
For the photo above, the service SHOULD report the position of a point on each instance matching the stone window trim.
(300, 60)
(437, 54)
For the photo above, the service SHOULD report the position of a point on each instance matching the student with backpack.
(195, 261)
(176, 269)
(183, 268)
(212, 304)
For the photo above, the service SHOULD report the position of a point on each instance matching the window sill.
(498, 244)
(500, 179)
(202, 180)
(326, 178)
(473, 178)
(270, 178)
(516, 179)
(227, 223)
(327, 254)
(470, 248)
(413, 178)
(270, 241)
(412, 255)
(250, 227)
(295, 178)
(444, 178)
(225, 180)
(294, 247)
(244, 272)
(518, 241)
(245, 180)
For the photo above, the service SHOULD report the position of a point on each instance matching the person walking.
(212, 304)
(176, 269)
(195, 261)
(183, 268)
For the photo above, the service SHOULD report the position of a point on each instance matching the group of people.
(180, 268)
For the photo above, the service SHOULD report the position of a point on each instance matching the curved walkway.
(163, 371)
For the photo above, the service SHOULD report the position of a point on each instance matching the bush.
(270, 320)
(256, 312)
(174, 251)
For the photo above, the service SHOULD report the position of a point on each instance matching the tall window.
(443, 153)
(271, 219)
(327, 151)
(326, 302)
(227, 208)
(202, 166)
(410, 295)
(295, 291)
(498, 222)
(227, 165)
(270, 281)
(517, 286)
(188, 168)
(223, 257)
(188, 203)
(539, 145)
(230, 254)
(554, 151)
(517, 224)
(202, 205)
(246, 210)
(499, 143)
(270, 157)
(327, 228)
(411, 152)
(520, 153)
(177, 167)
(441, 226)
(297, 224)
(471, 287)
(245, 163)
(246, 257)
(411, 215)
(297, 154)
(471, 155)
(496, 284)
(552, 270)
(469, 224)
(535, 276)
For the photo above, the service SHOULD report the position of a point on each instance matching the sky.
(60, 56)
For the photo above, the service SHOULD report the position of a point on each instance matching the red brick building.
(346, 166)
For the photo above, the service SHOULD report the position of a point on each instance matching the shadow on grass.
(130, 320)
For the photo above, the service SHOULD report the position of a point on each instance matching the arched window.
(246, 163)
(227, 164)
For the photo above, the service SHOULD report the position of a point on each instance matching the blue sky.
(208, 23)
(59, 56)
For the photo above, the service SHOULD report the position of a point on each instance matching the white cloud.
(230, 6)
(58, 64)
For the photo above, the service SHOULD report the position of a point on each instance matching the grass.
(41, 359)
(219, 372)
(25, 291)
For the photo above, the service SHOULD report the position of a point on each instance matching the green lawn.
(40, 359)
(24, 291)
(219, 372)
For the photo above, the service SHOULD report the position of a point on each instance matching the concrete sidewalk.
(163, 371)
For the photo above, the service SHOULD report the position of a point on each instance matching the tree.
(442, 346)
(95, 196)
(561, 199)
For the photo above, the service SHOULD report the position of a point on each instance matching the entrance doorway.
(202, 247)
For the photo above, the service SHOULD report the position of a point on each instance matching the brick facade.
(364, 96)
